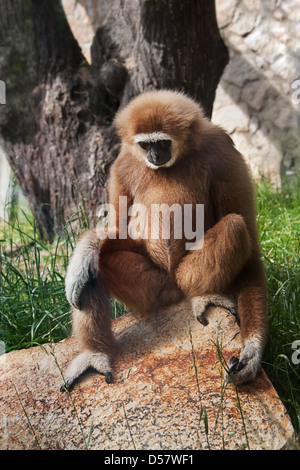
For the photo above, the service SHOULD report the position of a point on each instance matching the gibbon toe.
(109, 378)
(242, 372)
(232, 363)
(85, 361)
(245, 368)
(201, 319)
(201, 304)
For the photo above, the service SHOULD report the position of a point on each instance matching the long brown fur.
(147, 274)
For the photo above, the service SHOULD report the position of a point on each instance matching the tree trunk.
(57, 123)
(179, 47)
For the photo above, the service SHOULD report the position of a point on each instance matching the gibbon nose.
(158, 158)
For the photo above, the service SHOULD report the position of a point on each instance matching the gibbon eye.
(164, 144)
(144, 145)
(159, 144)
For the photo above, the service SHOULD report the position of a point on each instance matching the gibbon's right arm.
(83, 267)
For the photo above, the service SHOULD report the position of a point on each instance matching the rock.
(225, 10)
(244, 23)
(286, 67)
(274, 50)
(254, 92)
(167, 374)
(240, 70)
(256, 40)
(257, 146)
(232, 118)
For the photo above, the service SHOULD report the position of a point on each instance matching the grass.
(33, 308)
(33, 305)
(279, 228)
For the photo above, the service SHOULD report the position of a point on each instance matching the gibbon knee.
(213, 268)
(137, 282)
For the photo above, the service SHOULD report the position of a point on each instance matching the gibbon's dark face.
(156, 149)
(157, 153)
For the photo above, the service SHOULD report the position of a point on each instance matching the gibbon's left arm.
(234, 194)
(229, 261)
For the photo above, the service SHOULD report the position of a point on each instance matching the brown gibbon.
(171, 156)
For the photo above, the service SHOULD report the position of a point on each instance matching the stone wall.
(254, 100)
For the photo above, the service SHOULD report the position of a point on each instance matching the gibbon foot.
(245, 369)
(200, 305)
(82, 363)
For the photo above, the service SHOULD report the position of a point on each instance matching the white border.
(152, 137)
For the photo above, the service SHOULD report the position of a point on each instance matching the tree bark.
(57, 124)
(179, 47)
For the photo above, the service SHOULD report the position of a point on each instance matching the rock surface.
(167, 375)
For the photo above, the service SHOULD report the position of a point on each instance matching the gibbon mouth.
(158, 159)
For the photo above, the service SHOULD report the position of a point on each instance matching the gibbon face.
(157, 127)
(157, 149)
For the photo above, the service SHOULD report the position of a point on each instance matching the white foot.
(245, 369)
(87, 359)
(201, 304)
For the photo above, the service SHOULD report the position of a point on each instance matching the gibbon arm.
(230, 261)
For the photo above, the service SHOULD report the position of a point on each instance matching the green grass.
(279, 228)
(33, 308)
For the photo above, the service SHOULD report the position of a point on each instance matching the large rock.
(168, 374)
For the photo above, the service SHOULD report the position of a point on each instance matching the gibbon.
(171, 154)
